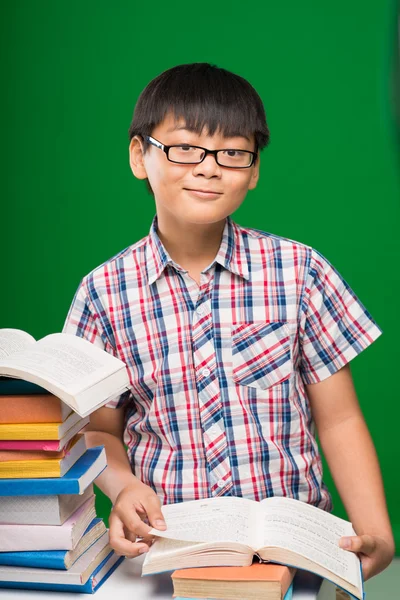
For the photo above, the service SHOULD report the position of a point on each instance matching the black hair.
(204, 95)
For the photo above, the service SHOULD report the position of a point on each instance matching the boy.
(237, 341)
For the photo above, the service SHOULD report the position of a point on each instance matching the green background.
(71, 74)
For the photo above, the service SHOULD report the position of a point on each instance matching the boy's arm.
(351, 456)
(132, 500)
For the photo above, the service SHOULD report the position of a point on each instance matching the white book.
(79, 373)
(230, 531)
(41, 510)
(98, 531)
(20, 538)
(78, 574)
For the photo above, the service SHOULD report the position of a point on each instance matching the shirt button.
(206, 372)
(214, 431)
(199, 310)
(220, 483)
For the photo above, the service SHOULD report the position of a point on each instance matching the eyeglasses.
(184, 154)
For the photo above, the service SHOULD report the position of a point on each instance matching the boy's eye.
(185, 148)
(233, 153)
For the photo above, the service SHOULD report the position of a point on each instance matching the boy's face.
(174, 185)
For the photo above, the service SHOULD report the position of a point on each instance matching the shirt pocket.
(261, 354)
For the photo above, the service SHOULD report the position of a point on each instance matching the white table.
(126, 583)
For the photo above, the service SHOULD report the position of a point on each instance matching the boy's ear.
(136, 158)
(255, 174)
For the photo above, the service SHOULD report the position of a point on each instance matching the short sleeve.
(334, 325)
(82, 321)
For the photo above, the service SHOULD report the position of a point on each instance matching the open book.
(229, 531)
(76, 371)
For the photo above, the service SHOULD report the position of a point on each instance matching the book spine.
(44, 445)
(10, 386)
(39, 560)
(15, 538)
(38, 408)
(50, 587)
(39, 487)
(29, 431)
(52, 559)
(83, 472)
(20, 469)
(89, 587)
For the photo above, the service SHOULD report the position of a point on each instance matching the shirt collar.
(231, 254)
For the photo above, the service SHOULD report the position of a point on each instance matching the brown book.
(35, 408)
(234, 583)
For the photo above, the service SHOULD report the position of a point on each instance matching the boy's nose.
(207, 167)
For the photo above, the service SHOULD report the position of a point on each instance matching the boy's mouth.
(203, 193)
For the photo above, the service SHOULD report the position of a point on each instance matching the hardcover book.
(56, 559)
(35, 408)
(40, 431)
(41, 510)
(25, 463)
(86, 469)
(82, 375)
(18, 387)
(77, 575)
(234, 583)
(45, 445)
(229, 531)
(288, 596)
(18, 538)
(96, 580)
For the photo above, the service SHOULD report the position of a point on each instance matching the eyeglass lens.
(226, 158)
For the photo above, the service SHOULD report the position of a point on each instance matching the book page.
(14, 340)
(71, 363)
(311, 532)
(166, 546)
(223, 519)
(165, 554)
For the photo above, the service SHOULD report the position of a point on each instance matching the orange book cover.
(18, 455)
(40, 408)
(255, 572)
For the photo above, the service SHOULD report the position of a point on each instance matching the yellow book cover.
(47, 467)
(37, 431)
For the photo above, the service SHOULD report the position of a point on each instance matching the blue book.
(96, 579)
(56, 559)
(288, 595)
(18, 387)
(75, 481)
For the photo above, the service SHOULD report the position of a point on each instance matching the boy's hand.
(135, 505)
(375, 552)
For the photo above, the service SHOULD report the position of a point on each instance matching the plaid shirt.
(217, 404)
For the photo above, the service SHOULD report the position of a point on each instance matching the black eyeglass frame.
(166, 149)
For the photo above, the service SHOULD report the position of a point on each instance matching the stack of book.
(50, 538)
